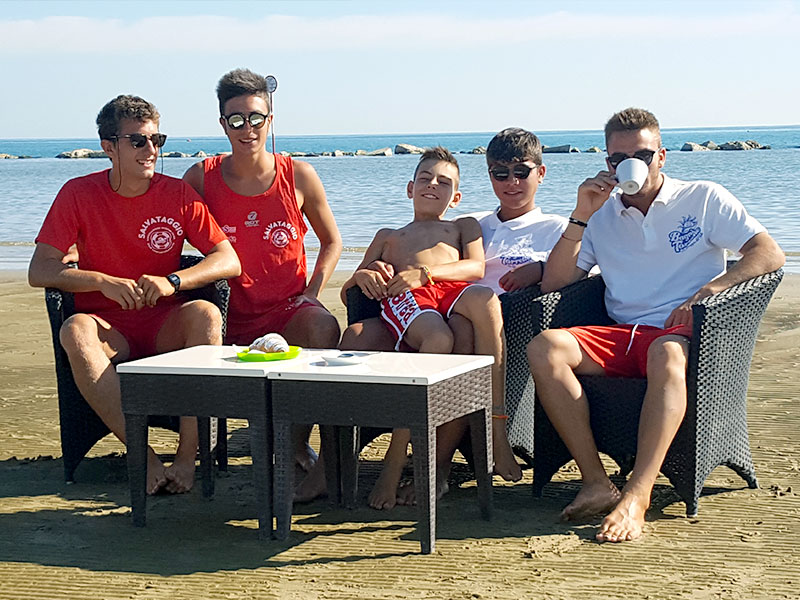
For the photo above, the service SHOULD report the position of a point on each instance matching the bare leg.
(482, 308)
(93, 347)
(192, 324)
(662, 413)
(384, 494)
(555, 357)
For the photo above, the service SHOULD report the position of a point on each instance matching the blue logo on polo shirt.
(514, 261)
(686, 235)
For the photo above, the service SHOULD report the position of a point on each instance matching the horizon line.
(429, 133)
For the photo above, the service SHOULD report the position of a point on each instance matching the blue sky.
(402, 67)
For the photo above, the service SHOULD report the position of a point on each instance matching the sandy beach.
(77, 541)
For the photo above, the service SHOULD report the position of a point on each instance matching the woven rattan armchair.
(714, 430)
(80, 426)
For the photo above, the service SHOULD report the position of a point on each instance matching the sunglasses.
(643, 155)
(502, 173)
(237, 120)
(138, 140)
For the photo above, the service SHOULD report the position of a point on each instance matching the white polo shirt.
(651, 264)
(510, 244)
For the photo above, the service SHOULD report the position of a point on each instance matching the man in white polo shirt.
(660, 250)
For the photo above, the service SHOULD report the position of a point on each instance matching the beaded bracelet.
(577, 222)
(427, 273)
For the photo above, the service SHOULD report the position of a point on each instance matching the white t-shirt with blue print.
(652, 263)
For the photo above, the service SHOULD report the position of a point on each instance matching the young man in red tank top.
(260, 200)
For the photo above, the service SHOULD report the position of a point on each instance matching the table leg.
(136, 436)
(333, 462)
(284, 477)
(206, 466)
(261, 451)
(480, 426)
(348, 455)
(222, 444)
(423, 443)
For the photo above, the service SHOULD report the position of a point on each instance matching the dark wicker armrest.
(359, 307)
(580, 303)
(725, 327)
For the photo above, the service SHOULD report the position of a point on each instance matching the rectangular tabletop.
(197, 360)
(404, 368)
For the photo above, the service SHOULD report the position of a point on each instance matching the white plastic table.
(388, 389)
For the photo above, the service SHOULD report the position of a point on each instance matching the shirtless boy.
(129, 225)
(431, 261)
(260, 200)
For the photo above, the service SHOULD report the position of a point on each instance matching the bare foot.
(156, 477)
(592, 499)
(505, 464)
(407, 493)
(313, 484)
(180, 475)
(626, 521)
(305, 457)
(384, 494)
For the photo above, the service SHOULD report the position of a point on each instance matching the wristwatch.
(175, 281)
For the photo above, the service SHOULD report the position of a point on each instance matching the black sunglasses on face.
(138, 140)
(501, 172)
(237, 120)
(643, 155)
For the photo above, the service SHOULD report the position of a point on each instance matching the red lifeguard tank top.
(267, 232)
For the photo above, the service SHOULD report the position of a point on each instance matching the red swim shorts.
(400, 311)
(622, 349)
(139, 327)
(273, 320)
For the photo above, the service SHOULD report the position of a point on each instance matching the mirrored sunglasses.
(237, 120)
(138, 140)
(643, 155)
(502, 172)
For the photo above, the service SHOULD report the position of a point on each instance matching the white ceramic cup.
(631, 175)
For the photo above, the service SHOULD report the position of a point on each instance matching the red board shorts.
(622, 349)
(273, 320)
(400, 311)
(139, 327)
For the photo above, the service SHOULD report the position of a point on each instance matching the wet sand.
(77, 541)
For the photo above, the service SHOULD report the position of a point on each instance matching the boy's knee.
(544, 349)
(201, 315)
(324, 330)
(77, 333)
(477, 301)
(667, 357)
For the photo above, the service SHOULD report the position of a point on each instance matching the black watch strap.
(175, 281)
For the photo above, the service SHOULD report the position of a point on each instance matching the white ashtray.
(342, 359)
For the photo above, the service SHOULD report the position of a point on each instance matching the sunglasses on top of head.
(502, 172)
(138, 140)
(237, 120)
(643, 155)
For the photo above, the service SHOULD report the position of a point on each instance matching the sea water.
(367, 193)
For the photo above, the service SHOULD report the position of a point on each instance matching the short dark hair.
(122, 107)
(514, 144)
(632, 119)
(439, 154)
(241, 82)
